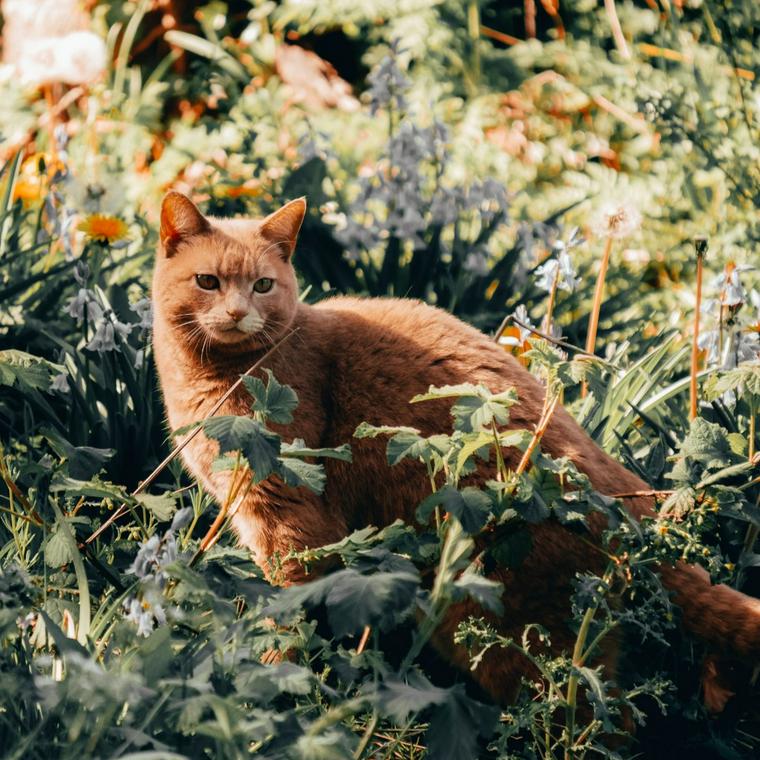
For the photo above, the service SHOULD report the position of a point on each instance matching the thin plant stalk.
(547, 325)
(593, 323)
(695, 340)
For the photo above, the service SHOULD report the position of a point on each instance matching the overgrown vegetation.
(488, 160)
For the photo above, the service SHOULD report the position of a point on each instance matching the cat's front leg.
(275, 521)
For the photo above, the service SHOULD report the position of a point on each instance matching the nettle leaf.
(296, 472)
(367, 430)
(83, 461)
(470, 506)
(380, 599)
(58, 549)
(476, 407)
(94, 488)
(484, 591)
(327, 745)
(398, 700)
(706, 443)
(511, 550)
(298, 449)
(274, 400)
(162, 506)
(456, 724)
(26, 371)
(744, 379)
(408, 445)
(353, 600)
(259, 446)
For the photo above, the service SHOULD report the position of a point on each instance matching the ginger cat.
(225, 290)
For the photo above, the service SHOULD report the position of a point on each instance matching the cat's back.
(403, 323)
(389, 349)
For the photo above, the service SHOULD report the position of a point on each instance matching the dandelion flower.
(104, 228)
(617, 220)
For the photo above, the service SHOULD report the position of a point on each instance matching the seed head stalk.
(701, 247)
(593, 322)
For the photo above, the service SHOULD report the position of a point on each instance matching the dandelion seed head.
(617, 220)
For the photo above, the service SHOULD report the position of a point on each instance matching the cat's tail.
(721, 616)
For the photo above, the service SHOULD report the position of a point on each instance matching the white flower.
(75, 58)
(560, 270)
(521, 314)
(617, 220)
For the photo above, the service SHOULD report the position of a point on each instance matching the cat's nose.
(236, 313)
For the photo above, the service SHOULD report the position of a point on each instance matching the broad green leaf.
(275, 401)
(259, 446)
(25, 371)
(470, 506)
(456, 724)
(484, 591)
(298, 449)
(58, 549)
(162, 506)
(296, 472)
(380, 599)
(510, 550)
(476, 407)
(398, 700)
(366, 430)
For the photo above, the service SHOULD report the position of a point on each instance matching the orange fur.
(353, 360)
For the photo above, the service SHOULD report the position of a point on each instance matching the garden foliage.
(483, 173)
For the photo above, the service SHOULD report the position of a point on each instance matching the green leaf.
(456, 724)
(25, 371)
(366, 430)
(274, 400)
(353, 600)
(162, 506)
(379, 599)
(484, 591)
(511, 549)
(470, 506)
(398, 700)
(259, 446)
(298, 449)
(58, 549)
(476, 407)
(296, 472)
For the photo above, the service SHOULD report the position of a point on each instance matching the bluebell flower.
(388, 83)
(105, 335)
(477, 263)
(84, 302)
(144, 310)
(60, 382)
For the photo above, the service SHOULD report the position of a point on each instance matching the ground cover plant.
(581, 182)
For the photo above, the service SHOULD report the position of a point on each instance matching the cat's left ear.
(283, 225)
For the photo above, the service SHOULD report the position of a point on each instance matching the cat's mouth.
(231, 333)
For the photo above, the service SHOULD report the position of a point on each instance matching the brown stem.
(617, 30)
(593, 323)
(695, 342)
(538, 433)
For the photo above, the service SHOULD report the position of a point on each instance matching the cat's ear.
(180, 220)
(283, 225)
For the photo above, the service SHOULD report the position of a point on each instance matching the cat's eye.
(264, 285)
(207, 281)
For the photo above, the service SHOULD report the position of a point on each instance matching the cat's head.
(226, 283)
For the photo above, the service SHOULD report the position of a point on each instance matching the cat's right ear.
(180, 220)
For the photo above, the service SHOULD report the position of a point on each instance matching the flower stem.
(695, 339)
(593, 323)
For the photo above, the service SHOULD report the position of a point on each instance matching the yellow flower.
(104, 228)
